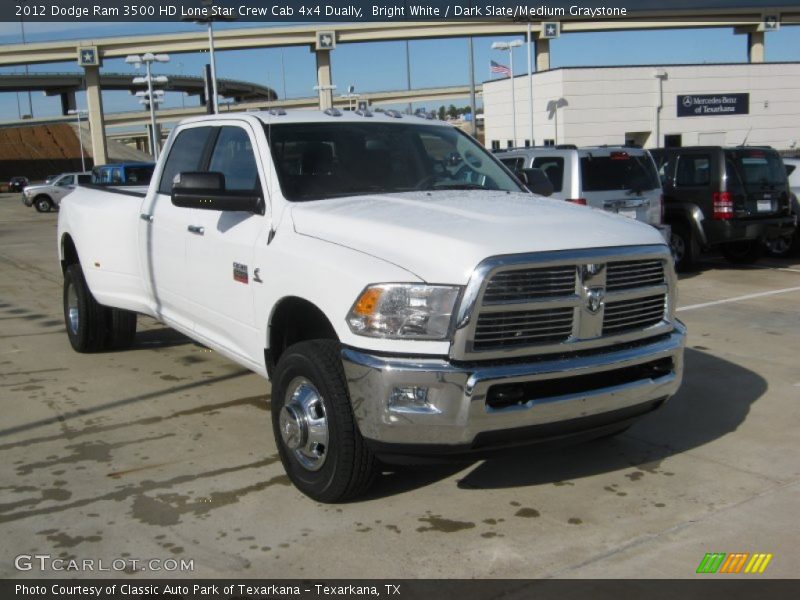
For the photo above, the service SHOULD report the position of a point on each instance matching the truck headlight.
(395, 310)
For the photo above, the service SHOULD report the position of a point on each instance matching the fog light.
(411, 399)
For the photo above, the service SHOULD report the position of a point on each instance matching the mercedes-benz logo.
(687, 101)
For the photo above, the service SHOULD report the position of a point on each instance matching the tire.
(783, 247)
(85, 319)
(43, 204)
(318, 439)
(742, 253)
(684, 246)
(120, 328)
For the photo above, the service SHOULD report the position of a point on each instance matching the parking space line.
(739, 298)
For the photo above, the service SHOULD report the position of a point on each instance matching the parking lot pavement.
(166, 452)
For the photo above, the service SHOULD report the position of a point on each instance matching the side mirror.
(206, 190)
(537, 181)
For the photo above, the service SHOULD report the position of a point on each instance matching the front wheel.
(43, 204)
(743, 252)
(318, 439)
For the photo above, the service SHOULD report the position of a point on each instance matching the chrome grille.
(638, 313)
(631, 274)
(522, 328)
(524, 285)
(564, 301)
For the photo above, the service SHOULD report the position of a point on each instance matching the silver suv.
(618, 179)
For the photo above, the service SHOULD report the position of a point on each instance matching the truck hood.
(32, 189)
(442, 236)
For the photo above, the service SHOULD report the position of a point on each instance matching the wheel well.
(47, 196)
(295, 320)
(69, 253)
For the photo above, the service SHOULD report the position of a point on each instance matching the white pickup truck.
(408, 298)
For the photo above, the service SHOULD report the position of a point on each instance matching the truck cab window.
(233, 156)
(185, 155)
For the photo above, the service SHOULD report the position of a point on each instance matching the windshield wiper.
(458, 186)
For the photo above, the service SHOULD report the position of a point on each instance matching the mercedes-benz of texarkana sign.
(406, 295)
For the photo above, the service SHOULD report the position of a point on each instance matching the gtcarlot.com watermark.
(45, 562)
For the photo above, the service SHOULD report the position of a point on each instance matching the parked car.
(402, 308)
(124, 174)
(734, 199)
(46, 197)
(790, 244)
(617, 179)
(17, 184)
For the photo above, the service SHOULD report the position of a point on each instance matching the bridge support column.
(68, 102)
(542, 54)
(755, 47)
(324, 79)
(94, 101)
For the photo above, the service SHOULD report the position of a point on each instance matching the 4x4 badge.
(594, 299)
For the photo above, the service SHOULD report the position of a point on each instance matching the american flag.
(496, 67)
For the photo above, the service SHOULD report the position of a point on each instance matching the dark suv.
(732, 198)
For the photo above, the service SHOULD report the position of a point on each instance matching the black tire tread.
(352, 450)
(751, 255)
(91, 335)
(121, 328)
(692, 250)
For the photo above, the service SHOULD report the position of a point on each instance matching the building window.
(549, 142)
(509, 143)
(495, 144)
(527, 143)
(672, 141)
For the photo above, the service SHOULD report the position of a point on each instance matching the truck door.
(220, 250)
(163, 232)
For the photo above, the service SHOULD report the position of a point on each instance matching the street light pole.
(30, 100)
(148, 58)
(152, 104)
(78, 113)
(510, 47)
(212, 59)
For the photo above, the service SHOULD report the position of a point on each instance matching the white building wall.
(603, 104)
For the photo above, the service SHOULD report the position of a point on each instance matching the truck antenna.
(747, 135)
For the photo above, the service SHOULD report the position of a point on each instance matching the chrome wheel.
(73, 315)
(304, 425)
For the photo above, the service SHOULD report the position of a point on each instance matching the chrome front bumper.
(456, 412)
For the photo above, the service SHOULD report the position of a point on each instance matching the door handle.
(196, 229)
(146, 217)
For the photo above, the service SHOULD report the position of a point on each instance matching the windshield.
(326, 160)
(760, 169)
(618, 171)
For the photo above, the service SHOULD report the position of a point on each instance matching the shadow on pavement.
(713, 401)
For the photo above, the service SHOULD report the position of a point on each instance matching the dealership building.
(663, 105)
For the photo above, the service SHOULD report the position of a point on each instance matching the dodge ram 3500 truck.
(405, 294)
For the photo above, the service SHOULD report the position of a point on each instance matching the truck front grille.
(630, 315)
(530, 284)
(630, 274)
(585, 300)
(521, 328)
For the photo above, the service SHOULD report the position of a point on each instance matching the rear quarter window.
(618, 171)
(693, 170)
(553, 167)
